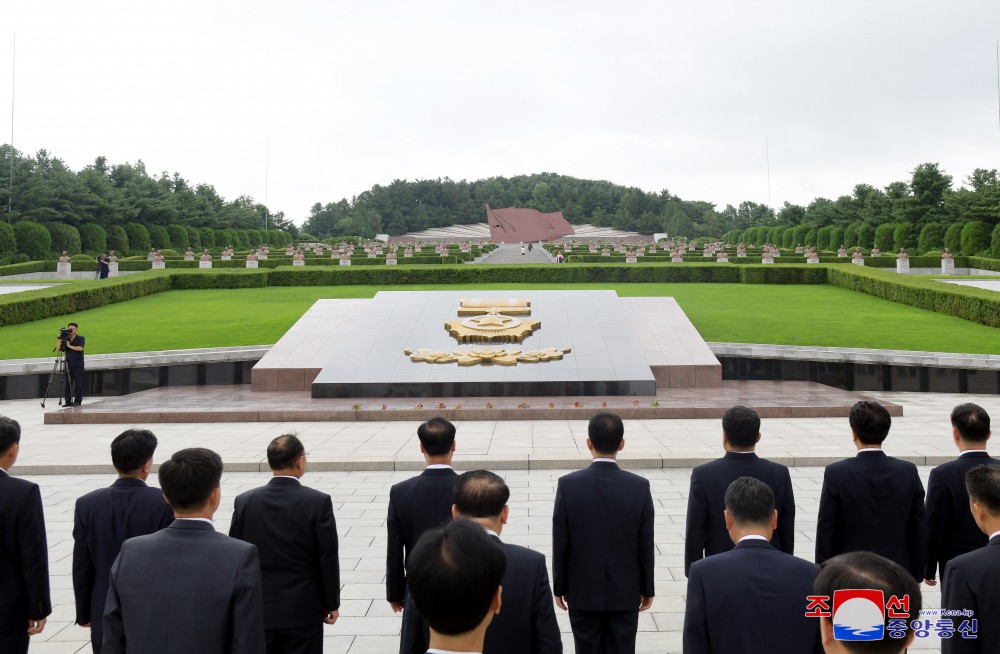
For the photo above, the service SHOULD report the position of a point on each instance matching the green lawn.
(743, 313)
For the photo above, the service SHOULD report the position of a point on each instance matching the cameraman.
(72, 345)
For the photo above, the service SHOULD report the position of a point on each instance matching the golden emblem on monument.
(490, 321)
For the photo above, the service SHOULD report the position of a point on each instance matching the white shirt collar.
(605, 459)
(971, 451)
(994, 535)
(869, 449)
(201, 519)
(445, 651)
(286, 477)
(438, 466)
(491, 532)
(741, 452)
(753, 537)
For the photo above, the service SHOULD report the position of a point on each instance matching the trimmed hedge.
(27, 267)
(66, 299)
(33, 239)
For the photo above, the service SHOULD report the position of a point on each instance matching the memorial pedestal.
(189, 258)
(345, 262)
(947, 266)
(390, 262)
(64, 270)
(631, 260)
(903, 266)
(767, 260)
(858, 262)
(113, 269)
(227, 257)
(252, 264)
(204, 264)
(812, 260)
(159, 265)
(298, 262)
(676, 260)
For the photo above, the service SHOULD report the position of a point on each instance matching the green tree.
(823, 237)
(64, 237)
(994, 242)
(159, 238)
(8, 244)
(138, 238)
(118, 240)
(93, 238)
(884, 237)
(866, 236)
(975, 238)
(953, 237)
(207, 237)
(801, 234)
(179, 239)
(33, 240)
(903, 237)
(194, 237)
(931, 238)
(851, 234)
(929, 186)
(836, 237)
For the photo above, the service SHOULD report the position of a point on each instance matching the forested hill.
(927, 199)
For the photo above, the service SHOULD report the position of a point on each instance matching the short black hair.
(971, 421)
(983, 484)
(741, 425)
(72, 324)
(131, 449)
(189, 477)
(869, 570)
(283, 451)
(436, 435)
(10, 434)
(480, 494)
(870, 422)
(749, 501)
(606, 432)
(453, 574)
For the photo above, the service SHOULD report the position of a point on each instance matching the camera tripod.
(58, 368)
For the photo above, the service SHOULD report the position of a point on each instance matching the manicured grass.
(742, 313)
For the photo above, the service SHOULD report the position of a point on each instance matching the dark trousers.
(301, 640)
(96, 640)
(604, 632)
(14, 641)
(74, 385)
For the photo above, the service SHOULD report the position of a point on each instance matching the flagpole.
(10, 182)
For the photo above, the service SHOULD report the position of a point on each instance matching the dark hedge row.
(27, 267)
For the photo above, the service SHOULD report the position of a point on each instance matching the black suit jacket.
(24, 557)
(296, 536)
(972, 581)
(526, 623)
(185, 589)
(952, 531)
(602, 539)
(103, 520)
(873, 503)
(415, 505)
(706, 533)
(750, 599)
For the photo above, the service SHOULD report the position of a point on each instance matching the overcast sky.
(659, 94)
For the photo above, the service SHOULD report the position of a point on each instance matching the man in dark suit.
(866, 570)
(972, 581)
(296, 535)
(73, 384)
(951, 529)
(454, 577)
(105, 518)
(872, 502)
(528, 621)
(750, 599)
(419, 503)
(24, 557)
(706, 532)
(186, 588)
(602, 545)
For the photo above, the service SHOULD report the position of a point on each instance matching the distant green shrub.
(33, 240)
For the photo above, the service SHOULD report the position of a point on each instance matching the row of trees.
(972, 238)
(924, 209)
(43, 189)
(27, 240)
(928, 197)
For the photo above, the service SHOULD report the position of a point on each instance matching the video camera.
(65, 333)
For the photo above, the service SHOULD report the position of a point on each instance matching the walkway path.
(511, 253)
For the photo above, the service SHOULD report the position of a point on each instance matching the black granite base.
(486, 389)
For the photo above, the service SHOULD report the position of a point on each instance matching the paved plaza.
(360, 496)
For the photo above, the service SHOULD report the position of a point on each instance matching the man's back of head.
(741, 425)
(189, 479)
(866, 570)
(480, 494)
(131, 449)
(870, 422)
(10, 434)
(454, 576)
(437, 436)
(750, 506)
(606, 432)
(983, 485)
(972, 423)
(284, 451)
